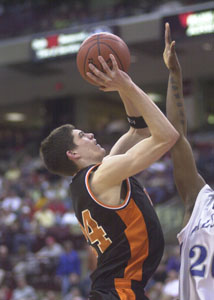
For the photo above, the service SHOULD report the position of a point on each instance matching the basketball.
(102, 44)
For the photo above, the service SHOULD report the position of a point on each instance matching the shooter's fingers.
(94, 78)
(114, 62)
(104, 65)
(99, 74)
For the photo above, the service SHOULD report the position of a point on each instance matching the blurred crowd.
(24, 17)
(164, 284)
(41, 244)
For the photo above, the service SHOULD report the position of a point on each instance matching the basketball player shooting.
(114, 212)
(197, 237)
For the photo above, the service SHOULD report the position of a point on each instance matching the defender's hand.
(169, 54)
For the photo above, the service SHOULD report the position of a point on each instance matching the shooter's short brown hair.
(53, 151)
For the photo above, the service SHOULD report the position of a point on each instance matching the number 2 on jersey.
(94, 232)
(198, 268)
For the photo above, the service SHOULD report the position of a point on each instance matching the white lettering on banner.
(61, 44)
(200, 23)
(57, 51)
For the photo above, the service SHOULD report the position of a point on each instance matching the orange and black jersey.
(128, 238)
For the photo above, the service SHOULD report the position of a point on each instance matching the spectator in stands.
(91, 264)
(69, 218)
(21, 233)
(161, 273)
(173, 262)
(5, 263)
(51, 250)
(50, 295)
(74, 294)
(170, 288)
(23, 291)
(69, 267)
(25, 262)
(48, 256)
(40, 201)
(12, 201)
(8, 217)
(12, 174)
(5, 292)
(58, 208)
(155, 291)
(45, 217)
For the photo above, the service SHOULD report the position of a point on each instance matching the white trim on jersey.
(126, 201)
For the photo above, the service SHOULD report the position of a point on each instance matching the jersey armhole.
(125, 202)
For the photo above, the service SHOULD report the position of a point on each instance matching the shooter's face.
(87, 146)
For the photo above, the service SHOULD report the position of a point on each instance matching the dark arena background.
(43, 254)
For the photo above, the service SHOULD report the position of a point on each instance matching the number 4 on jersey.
(94, 232)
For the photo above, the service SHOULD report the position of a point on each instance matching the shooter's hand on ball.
(113, 79)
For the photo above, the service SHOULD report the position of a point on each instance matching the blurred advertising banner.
(191, 23)
(49, 46)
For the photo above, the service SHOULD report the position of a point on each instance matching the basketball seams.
(106, 39)
(86, 56)
(99, 51)
(104, 45)
(115, 54)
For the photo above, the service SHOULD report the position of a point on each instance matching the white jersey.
(197, 250)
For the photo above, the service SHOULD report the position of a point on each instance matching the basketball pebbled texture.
(102, 44)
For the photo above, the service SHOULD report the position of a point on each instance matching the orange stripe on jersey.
(124, 289)
(137, 237)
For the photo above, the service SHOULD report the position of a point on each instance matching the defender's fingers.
(172, 47)
(168, 39)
